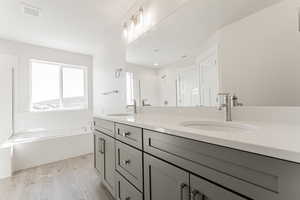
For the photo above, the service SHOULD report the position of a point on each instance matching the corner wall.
(259, 56)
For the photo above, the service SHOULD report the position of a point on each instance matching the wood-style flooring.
(72, 179)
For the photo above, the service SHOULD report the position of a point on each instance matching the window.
(57, 86)
(129, 88)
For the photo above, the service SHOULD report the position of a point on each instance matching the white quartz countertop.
(278, 140)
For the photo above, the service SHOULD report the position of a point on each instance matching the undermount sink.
(120, 115)
(218, 126)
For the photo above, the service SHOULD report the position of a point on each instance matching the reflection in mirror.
(247, 48)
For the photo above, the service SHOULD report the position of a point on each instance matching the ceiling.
(185, 31)
(73, 25)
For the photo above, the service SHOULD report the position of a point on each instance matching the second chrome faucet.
(228, 101)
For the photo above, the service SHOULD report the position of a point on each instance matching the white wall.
(105, 81)
(148, 78)
(167, 86)
(7, 63)
(259, 57)
(106, 61)
(25, 120)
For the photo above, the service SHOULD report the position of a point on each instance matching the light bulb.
(141, 16)
(125, 30)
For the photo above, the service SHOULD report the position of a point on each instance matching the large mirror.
(250, 48)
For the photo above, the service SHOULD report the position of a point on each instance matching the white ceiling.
(185, 31)
(74, 25)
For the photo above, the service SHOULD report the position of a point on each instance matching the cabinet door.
(105, 160)
(164, 181)
(204, 190)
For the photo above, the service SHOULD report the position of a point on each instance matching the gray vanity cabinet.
(135, 162)
(163, 181)
(105, 159)
(204, 190)
(254, 176)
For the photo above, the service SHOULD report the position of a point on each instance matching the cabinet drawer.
(125, 191)
(129, 162)
(255, 176)
(130, 135)
(104, 126)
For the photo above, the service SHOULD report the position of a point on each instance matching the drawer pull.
(102, 145)
(99, 145)
(126, 162)
(126, 134)
(127, 198)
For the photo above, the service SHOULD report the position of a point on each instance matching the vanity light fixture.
(135, 26)
(156, 64)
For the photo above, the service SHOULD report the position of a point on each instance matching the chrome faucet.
(227, 103)
(134, 106)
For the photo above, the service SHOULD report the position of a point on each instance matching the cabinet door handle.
(102, 146)
(126, 134)
(99, 145)
(182, 186)
(195, 194)
(126, 162)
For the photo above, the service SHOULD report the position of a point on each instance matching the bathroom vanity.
(140, 161)
(201, 56)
